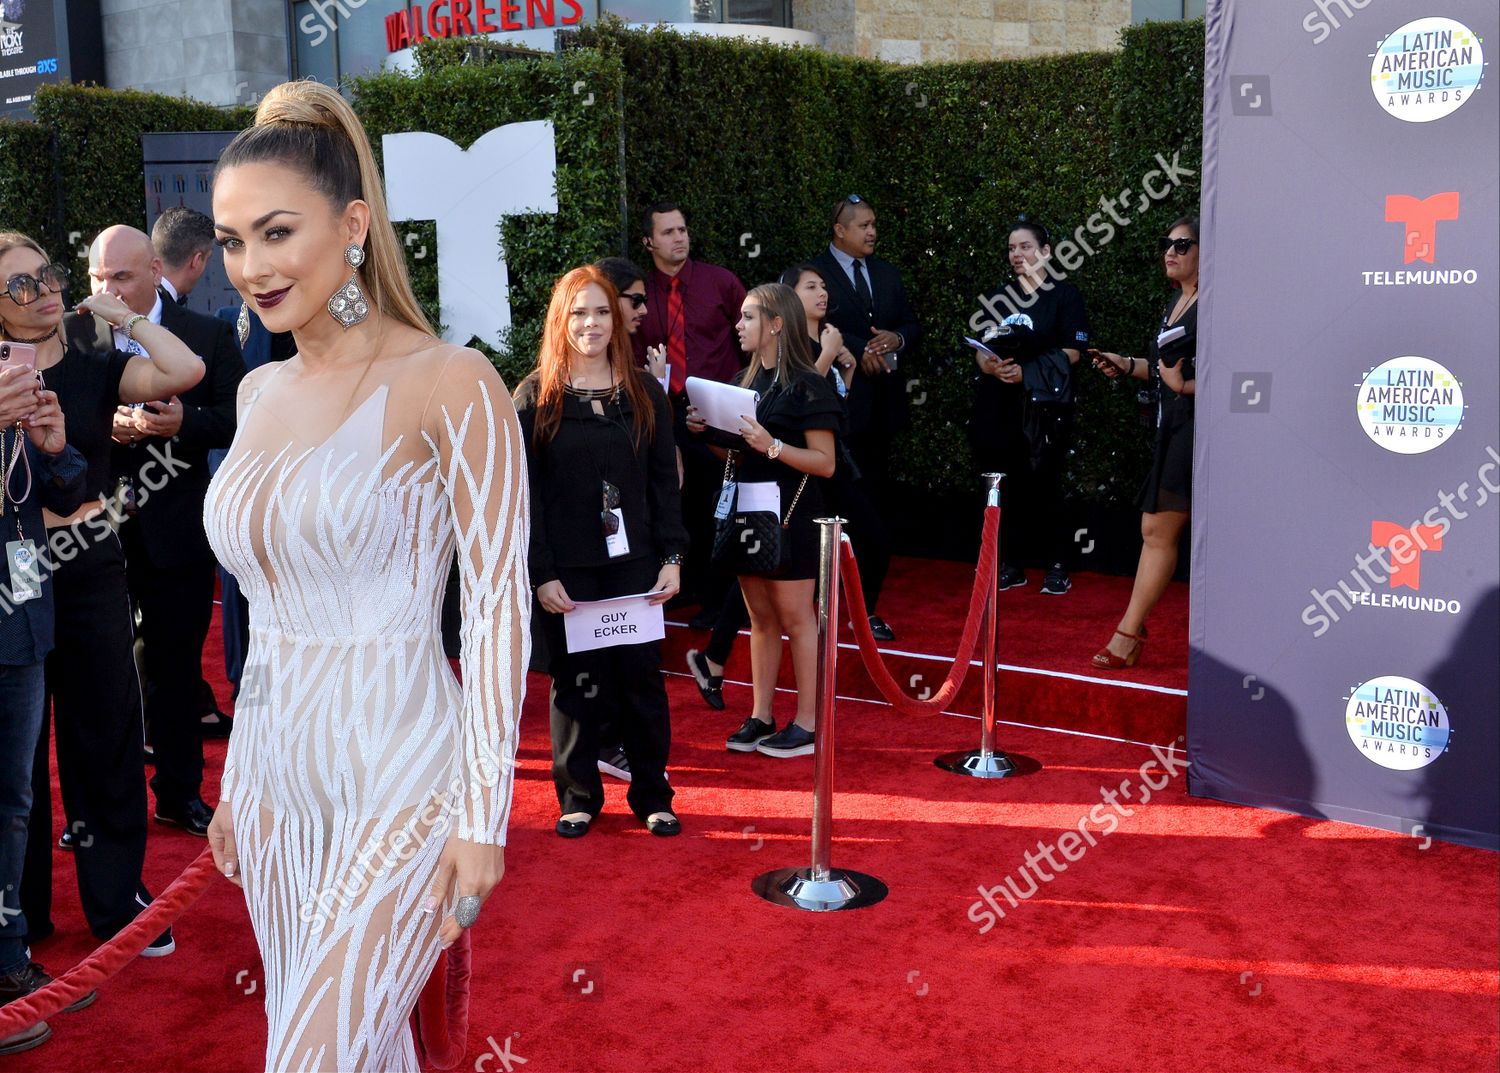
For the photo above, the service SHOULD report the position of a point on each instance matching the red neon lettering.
(577, 15)
(463, 23)
(483, 12)
(540, 11)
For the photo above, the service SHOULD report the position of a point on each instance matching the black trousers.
(868, 533)
(620, 686)
(1033, 526)
(176, 605)
(96, 705)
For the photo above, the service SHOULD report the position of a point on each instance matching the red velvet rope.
(984, 583)
(440, 1020)
(115, 954)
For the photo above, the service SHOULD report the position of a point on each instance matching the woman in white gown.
(365, 796)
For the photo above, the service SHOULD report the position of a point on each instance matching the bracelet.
(1132, 367)
(129, 326)
(671, 560)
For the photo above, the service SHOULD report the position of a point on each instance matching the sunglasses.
(610, 519)
(635, 300)
(24, 289)
(852, 199)
(1180, 245)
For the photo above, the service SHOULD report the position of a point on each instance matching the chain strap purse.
(753, 542)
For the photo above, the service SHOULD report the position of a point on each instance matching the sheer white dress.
(355, 752)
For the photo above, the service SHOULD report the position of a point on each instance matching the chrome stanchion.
(823, 888)
(987, 762)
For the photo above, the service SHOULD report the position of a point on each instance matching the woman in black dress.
(94, 694)
(789, 441)
(1166, 497)
(606, 521)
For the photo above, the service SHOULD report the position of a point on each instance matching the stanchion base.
(795, 887)
(996, 765)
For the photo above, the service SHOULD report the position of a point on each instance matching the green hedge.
(757, 142)
(97, 134)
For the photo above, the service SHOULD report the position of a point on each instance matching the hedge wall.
(757, 142)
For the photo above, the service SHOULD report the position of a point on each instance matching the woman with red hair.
(606, 522)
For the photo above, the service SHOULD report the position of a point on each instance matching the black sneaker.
(710, 685)
(1011, 577)
(1057, 582)
(879, 630)
(163, 944)
(749, 735)
(26, 1039)
(66, 840)
(32, 977)
(613, 761)
(792, 740)
(217, 724)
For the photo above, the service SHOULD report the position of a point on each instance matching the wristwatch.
(775, 449)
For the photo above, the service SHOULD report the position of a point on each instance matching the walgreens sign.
(463, 18)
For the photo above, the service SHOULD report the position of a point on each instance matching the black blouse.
(810, 403)
(1174, 410)
(568, 474)
(87, 383)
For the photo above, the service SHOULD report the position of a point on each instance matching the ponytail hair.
(310, 128)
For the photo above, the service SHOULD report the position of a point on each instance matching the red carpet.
(1196, 936)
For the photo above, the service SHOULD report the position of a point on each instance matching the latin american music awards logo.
(1410, 405)
(1427, 69)
(1397, 723)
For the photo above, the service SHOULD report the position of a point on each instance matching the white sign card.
(624, 620)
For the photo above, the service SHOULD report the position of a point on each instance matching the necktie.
(676, 337)
(862, 289)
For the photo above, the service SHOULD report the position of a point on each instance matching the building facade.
(228, 51)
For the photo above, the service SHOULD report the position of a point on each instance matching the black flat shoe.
(665, 827)
(573, 828)
(193, 817)
(879, 630)
(710, 685)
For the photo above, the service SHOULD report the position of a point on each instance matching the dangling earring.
(242, 324)
(780, 350)
(348, 305)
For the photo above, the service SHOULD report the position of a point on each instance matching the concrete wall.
(924, 31)
(217, 51)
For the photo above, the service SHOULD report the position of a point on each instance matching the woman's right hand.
(221, 841)
(695, 422)
(553, 597)
(832, 340)
(656, 361)
(1110, 364)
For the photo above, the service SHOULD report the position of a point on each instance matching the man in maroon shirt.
(691, 309)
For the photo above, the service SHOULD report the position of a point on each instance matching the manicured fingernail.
(229, 869)
(430, 904)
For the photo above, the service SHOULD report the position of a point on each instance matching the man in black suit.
(169, 563)
(184, 240)
(867, 304)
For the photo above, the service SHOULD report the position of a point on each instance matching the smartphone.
(23, 354)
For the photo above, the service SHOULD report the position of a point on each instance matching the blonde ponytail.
(311, 128)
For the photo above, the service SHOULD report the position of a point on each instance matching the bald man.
(170, 566)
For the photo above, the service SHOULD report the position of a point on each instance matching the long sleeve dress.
(356, 752)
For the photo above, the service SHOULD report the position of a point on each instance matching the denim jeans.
(21, 691)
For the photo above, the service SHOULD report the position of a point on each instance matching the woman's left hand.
(464, 868)
(755, 435)
(667, 584)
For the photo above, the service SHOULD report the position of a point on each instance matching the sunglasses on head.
(25, 289)
(635, 300)
(1180, 245)
(852, 199)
